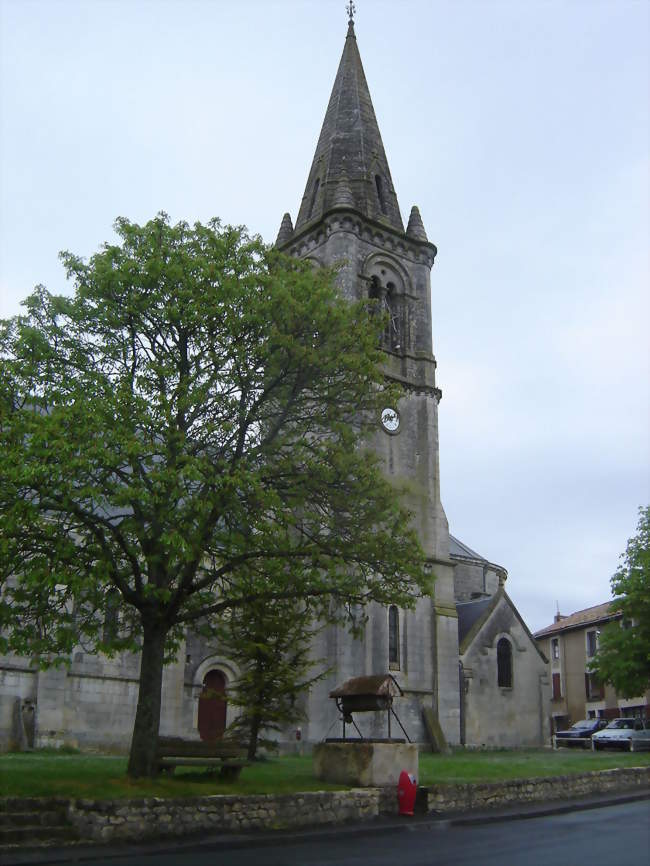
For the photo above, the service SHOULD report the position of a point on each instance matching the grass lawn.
(43, 774)
(496, 766)
(103, 777)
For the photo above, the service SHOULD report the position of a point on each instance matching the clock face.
(390, 420)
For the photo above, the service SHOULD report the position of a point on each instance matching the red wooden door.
(212, 706)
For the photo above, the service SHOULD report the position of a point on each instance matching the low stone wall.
(113, 820)
(478, 797)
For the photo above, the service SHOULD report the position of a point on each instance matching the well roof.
(376, 684)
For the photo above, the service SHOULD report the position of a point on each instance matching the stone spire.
(286, 230)
(343, 194)
(415, 228)
(350, 142)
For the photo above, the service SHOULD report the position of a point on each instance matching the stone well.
(364, 763)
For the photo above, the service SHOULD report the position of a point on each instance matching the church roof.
(597, 613)
(471, 612)
(459, 550)
(473, 615)
(350, 166)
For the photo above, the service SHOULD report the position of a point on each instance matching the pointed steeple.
(286, 230)
(350, 143)
(415, 228)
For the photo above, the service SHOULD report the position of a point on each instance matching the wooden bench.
(226, 756)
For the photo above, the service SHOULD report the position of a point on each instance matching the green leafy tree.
(272, 646)
(181, 438)
(623, 657)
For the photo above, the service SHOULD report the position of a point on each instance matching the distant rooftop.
(597, 613)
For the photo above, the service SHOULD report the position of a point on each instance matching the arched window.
(111, 615)
(504, 663)
(313, 195)
(392, 328)
(388, 286)
(380, 193)
(393, 638)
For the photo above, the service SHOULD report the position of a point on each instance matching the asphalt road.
(610, 836)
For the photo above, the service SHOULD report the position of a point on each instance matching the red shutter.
(557, 687)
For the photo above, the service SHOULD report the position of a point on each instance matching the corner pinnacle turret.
(350, 150)
(415, 228)
(286, 230)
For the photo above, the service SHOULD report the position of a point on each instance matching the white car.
(629, 734)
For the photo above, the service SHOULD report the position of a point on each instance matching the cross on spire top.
(351, 9)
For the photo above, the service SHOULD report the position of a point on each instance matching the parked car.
(580, 733)
(630, 734)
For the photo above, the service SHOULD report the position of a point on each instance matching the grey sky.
(521, 129)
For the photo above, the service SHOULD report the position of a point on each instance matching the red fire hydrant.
(406, 791)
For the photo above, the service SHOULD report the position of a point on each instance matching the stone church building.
(465, 654)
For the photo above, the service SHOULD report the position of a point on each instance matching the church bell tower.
(349, 216)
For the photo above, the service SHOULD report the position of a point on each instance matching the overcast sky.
(520, 128)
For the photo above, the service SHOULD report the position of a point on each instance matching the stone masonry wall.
(113, 820)
(478, 797)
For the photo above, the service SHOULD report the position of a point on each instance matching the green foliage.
(271, 645)
(182, 438)
(623, 657)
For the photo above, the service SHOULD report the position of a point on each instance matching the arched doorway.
(212, 706)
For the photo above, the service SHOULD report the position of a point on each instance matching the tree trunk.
(147, 716)
(253, 737)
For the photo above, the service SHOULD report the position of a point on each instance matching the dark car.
(580, 733)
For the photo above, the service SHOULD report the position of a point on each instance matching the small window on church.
(504, 663)
(393, 638)
(380, 193)
(111, 615)
(314, 195)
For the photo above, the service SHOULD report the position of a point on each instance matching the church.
(464, 657)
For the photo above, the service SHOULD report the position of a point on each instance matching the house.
(570, 643)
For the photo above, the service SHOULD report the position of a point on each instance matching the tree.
(183, 437)
(623, 657)
(272, 647)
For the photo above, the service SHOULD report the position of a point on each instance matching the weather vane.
(351, 9)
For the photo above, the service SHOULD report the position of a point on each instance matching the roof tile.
(597, 613)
